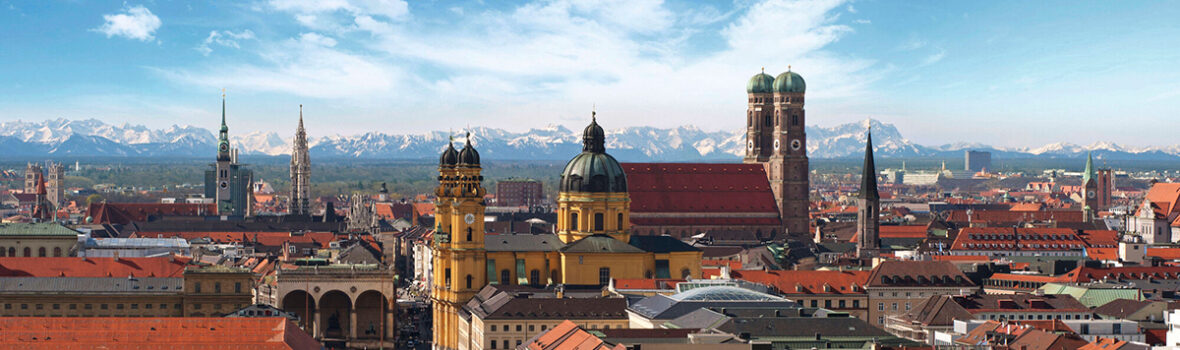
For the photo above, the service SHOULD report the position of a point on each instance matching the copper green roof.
(216, 269)
(789, 82)
(37, 229)
(1094, 295)
(760, 83)
(600, 244)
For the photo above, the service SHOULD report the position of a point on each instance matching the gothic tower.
(593, 196)
(33, 175)
(224, 160)
(775, 137)
(868, 203)
(43, 210)
(56, 181)
(1089, 189)
(299, 203)
(460, 260)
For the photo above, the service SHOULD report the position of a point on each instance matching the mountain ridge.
(91, 137)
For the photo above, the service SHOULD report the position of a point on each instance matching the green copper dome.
(789, 82)
(593, 170)
(760, 83)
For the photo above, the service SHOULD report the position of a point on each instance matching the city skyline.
(394, 67)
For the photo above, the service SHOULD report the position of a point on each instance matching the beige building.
(347, 303)
(895, 287)
(197, 292)
(504, 319)
(47, 239)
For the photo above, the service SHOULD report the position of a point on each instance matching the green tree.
(93, 199)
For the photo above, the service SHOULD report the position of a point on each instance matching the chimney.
(116, 255)
(725, 272)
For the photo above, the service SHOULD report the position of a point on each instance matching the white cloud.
(913, 43)
(549, 60)
(934, 57)
(135, 22)
(224, 38)
(391, 9)
(862, 21)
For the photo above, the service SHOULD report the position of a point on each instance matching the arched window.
(619, 222)
(604, 275)
(217, 287)
(768, 122)
(776, 118)
(535, 277)
(469, 281)
(3, 252)
(598, 222)
(685, 274)
(11, 251)
(574, 221)
(750, 118)
(553, 276)
(41, 252)
(505, 277)
(647, 274)
(197, 287)
(57, 252)
(469, 234)
(28, 252)
(794, 120)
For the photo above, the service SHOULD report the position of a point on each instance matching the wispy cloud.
(538, 59)
(135, 22)
(934, 57)
(913, 43)
(224, 38)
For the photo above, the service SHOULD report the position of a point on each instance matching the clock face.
(469, 219)
(223, 147)
(776, 145)
(1090, 194)
(796, 145)
(224, 184)
(750, 145)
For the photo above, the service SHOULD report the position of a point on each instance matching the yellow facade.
(460, 261)
(583, 214)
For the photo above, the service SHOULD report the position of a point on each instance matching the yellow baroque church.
(593, 243)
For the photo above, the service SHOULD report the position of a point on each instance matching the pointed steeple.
(1089, 172)
(223, 152)
(868, 181)
(224, 127)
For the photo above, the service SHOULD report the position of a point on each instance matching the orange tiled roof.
(1102, 254)
(62, 333)
(93, 267)
(567, 336)
(733, 265)
(1026, 207)
(899, 231)
(1164, 253)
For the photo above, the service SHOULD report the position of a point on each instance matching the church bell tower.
(776, 138)
(460, 259)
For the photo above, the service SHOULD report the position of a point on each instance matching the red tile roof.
(92, 267)
(1026, 207)
(808, 282)
(1002, 216)
(1027, 278)
(700, 188)
(124, 213)
(1164, 198)
(1164, 253)
(274, 239)
(1090, 274)
(900, 231)
(646, 284)
(567, 336)
(733, 265)
(1100, 238)
(64, 333)
(1016, 239)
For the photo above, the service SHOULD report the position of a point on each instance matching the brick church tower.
(775, 137)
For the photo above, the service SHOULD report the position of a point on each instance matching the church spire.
(868, 181)
(300, 203)
(223, 153)
(1088, 173)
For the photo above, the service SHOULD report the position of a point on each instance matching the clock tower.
(460, 259)
(1089, 189)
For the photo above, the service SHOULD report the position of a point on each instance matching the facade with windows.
(48, 239)
(504, 319)
(895, 287)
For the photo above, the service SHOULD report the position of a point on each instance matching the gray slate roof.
(522, 243)
(89, 285)
(600, 244)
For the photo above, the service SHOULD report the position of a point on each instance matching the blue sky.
(1007, 73)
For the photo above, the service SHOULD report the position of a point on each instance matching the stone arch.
(302, 304)
(335, 314)
(28, 252)
(371, 306)
(41, 252)
(57, 252)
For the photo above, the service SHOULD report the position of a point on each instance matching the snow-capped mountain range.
(90, 137)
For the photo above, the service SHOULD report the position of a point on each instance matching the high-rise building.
(775, 137)
(299, 202)
(868, 202)
(228, 182)
(977, 160)
(519, 193)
